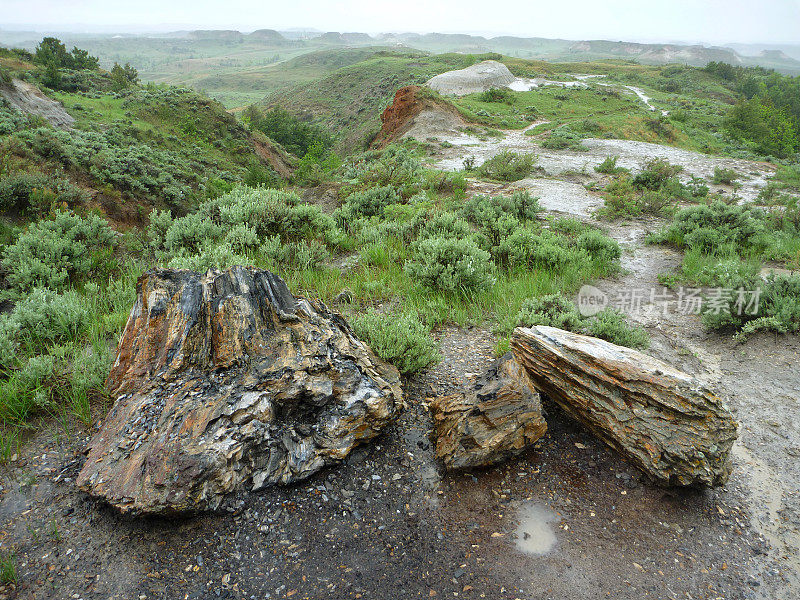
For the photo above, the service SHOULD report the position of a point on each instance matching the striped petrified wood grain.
(661, 419)
(225, 381)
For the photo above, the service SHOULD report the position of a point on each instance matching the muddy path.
(569, 519)
(761, 381)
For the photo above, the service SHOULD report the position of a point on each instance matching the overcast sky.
(713, 21)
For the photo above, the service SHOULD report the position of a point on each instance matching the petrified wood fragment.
(498, 417)
(663, 420)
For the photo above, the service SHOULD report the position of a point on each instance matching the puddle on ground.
(535, 533)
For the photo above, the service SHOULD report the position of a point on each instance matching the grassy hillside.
(349, 101)
(130, 149)
(238, 69)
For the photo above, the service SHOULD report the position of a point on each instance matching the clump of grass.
(656, 174)
(504, 95)
(609, 166)
(724, 176)
(725, 245)
(777, 309)
(402, 340)
(563, 138)
(8, 568)
(610, 325)
(656, 190)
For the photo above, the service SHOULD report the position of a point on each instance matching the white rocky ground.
(632, 155)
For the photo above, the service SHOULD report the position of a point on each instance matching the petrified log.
(226, 381)
(663, 420)
(498, 417)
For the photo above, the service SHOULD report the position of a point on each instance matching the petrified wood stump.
(226, 381)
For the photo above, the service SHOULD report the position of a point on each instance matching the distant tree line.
(297, 136)
(768, 111)
(52, 54)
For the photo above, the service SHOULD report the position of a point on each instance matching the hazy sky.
(712, 21)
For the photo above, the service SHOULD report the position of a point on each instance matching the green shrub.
(451, 265)
(551, 310)
(42, 318)
(9, 329)
(564, 138)
(368, 203)
(778, 307)
(442, 182)
(656, 174)
(37, 193)
(399, 339)
(504, 95)
(297, 136)
(479, 209)
(159, 222)
(529, 248)
(259, 175)
(297, 255)
(89, 369)
(697, 187)
(724, 176)
(217, 255)
(229, 227)
(721, 269)
(623, 199)
(609, 166)
(601, 248)
(190, 233)
(508, 166)
(317, 165)
(37, 372)
(45, 317)
(610, 325)
(443, 224)
(395, 166)
(58, 252)
(712, 227)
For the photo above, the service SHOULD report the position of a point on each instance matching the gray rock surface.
(477, 78)
(30, 100)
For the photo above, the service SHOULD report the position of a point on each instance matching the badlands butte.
(327, 341)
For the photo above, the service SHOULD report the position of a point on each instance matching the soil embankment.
(29, 99)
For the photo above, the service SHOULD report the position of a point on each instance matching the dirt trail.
(761, 378)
